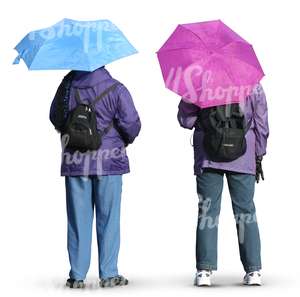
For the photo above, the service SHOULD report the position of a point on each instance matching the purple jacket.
(255, 110)
(117, 106)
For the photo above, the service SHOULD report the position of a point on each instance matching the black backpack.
(224, 129)
(61, 102)
(80, 131)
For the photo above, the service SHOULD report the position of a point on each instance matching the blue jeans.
(83, 195)
(209, 189)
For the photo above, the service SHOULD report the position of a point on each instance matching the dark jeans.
(209, 189)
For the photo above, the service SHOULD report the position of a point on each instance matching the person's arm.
(187, 114)
(127, 120)
(260, 117)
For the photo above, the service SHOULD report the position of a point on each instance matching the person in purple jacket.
(93, 179)
(241, 175)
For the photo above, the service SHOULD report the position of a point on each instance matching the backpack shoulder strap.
(98, 98)
(228, 111)
(104, 93)
(77, 97)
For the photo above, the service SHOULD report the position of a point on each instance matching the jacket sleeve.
(187, 114)
(260, 117)
(127, 120)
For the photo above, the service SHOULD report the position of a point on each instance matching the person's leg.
(80, 221)
(107, 198)
(209, 189)
(241, 187)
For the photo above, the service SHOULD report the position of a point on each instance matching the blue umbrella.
(74, 45)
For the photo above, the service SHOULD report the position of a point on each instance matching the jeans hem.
(252, 268)
(76, 277)
(206, 266)
(108, 275)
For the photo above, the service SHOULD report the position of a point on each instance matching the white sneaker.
(203, 278)
(252, 279)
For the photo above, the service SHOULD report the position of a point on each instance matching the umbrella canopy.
(74, 45)
(209, 64)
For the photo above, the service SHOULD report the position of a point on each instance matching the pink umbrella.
(208, 64)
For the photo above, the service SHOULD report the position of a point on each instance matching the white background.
(159, 209)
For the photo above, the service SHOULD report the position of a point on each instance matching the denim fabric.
(84, 194)
(209, 189)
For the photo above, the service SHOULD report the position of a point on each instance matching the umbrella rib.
(242, 61)
(196, 36)
(236, 58)
(36, 53)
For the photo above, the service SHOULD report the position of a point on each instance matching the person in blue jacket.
(93, 179)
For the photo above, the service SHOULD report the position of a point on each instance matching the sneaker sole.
(110, 285)
(77, 286)
(253, 283)
(202, 284)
